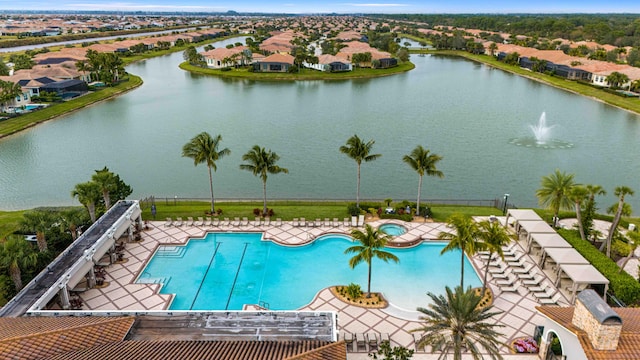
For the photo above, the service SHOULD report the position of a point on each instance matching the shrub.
(623, 285)
(257, 212)
(403, 217)
(226, 68)
(354, 291)
(353, 210)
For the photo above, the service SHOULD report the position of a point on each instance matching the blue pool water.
(224, 271)
(393, 229)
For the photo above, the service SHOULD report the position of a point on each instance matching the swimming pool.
(224, 271)
(393, 229)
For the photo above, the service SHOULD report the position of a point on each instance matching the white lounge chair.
(336, 222)
(514, 259)
(327, 222)
(360, 220)
(345, 222)
(245, 221)
(303, 222)
(294, 222)
(189, 221)
(169, 222)
(524, 270)
(178, 221)
(498, 270)
(535, 281)
(215, 222)
(267, 221)
(256, 221)
(550, 301)
(208, 221)
(317, 223)
(236, 221)
(225, 222)
(278, 222)
(200, 221)
(509, 288)
(354, 221)
(504, 275)
(546, 294)
(510, 280)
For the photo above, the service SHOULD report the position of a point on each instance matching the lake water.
(464, 111)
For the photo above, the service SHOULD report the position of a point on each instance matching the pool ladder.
(264, 305)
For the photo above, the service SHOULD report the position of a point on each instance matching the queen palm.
(554, 192)
(464, 239)
(371, 244)
(620, 192)
(203, 149)
(262, 162)
(455, 322)
(15, 253)
(88, 194)
(423, 163)
(40, 222)
(578, 195)
(493, 236)
(359, 151)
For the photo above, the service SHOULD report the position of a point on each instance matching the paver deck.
(518, 317)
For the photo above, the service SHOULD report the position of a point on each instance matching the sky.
(328, 6)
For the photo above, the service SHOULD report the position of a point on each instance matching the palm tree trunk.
(486, 273)
(418, 201)
(211, 188)
(16, 275)
(358, 189)
(614, 225)
(91, 207)
(369, 282)
(107, 199)
(462, 270)
(579, 217)
(264, 196)
(42, 241)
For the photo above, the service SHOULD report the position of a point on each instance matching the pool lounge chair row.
(361, 342)
(201, 222)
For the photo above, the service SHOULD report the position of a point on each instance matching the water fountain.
(541, 137)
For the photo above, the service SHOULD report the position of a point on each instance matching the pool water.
(393, 229)
(224, 271)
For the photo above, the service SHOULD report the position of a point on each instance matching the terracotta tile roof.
(628, 345)
(221, 53)
(281, 58)
(333, 351)
(39, 337)
(219, 350)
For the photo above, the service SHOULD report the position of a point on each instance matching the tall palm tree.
(578, 194)
(620, 192)
(493, 236)
(455, 322)
(262, 162)
(372, 241)
(464, 239)
(88, 194)
(71, 219)
(423, 163)
(16, 253)
(203, 149)
(107, 183)
(359, 151)
(554, 192)
(39, 221)
(590, 208)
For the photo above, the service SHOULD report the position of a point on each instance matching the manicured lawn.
(631, 104)
(9, 222)
(304, 74)
(16, 124)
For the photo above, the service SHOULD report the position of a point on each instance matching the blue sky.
(326, 6)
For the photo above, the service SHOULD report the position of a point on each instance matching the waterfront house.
(329, 63)
(274, 63)
(223, 57)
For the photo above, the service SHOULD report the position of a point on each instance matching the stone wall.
(602, 336)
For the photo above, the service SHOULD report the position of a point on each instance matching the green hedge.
(623, 285)
(404, 217)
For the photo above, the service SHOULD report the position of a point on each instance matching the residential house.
(274, 63)
(223, 57)
(330, 63)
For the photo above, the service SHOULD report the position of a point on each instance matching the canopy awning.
(582, 275)
(521, 215)
(547, 240)
(565, 256)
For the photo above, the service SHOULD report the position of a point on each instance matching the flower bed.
(524, 345)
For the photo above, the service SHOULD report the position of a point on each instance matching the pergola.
(521, 215)
(547, 240)
(532, 226)
(582, 275)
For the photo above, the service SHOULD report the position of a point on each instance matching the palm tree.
(70, 219)
(464, 239)
(204, 149)
(88, 194)
(578, 194)
(493, 48)
(616, 79)
(590, 207)
(359, 151)
(554, 193)
(423, 163)
(107, 183)
(16, 253)
(262, 162)
(455, 322)
(371, 242)
(40, 222)
(620, 192)
(493, 237)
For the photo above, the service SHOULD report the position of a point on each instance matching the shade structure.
(563, 256)
(521, 215)
(547, 240)
(582, 274)
(526, 228)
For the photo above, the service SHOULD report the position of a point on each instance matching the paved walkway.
(518, 318)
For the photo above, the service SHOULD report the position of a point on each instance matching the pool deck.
(120, 293)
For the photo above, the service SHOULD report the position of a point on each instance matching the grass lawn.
(631, 104)
(304, 74)
(21, 122)
(9, 222)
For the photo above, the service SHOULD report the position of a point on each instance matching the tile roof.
(219, 350)
(628, 345)
(279, 58)
(39, 337)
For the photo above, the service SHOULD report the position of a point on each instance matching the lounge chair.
(256, 221)
(372, 340)
(354, 221)
(245, 222)
(336, 222)
(179, 221)
(189, 221)
(348, 339)
(524, 270)
(200, 221)
(208, 221)
(510, 247)
(215, 222)
(542, 289)
(384, 337)
(360, 342)
(345, 222)
(317, 223)
(509, 288)
(537, 279)
(294, 223)
(303, 222)
(504, 275)
(327, 222)
(236, 221)
(513, 259)
(509, 281)
(360, 220)
(278, 222)
(169, 222)
(225, 222)
(267, 221)
(550, 301)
